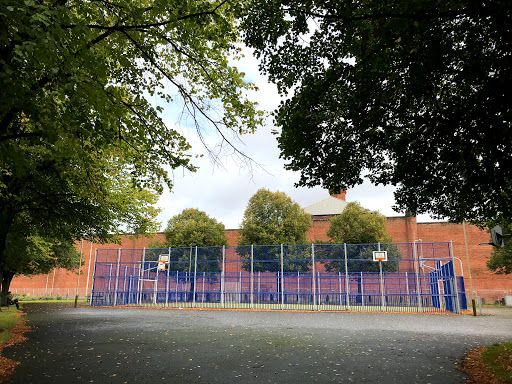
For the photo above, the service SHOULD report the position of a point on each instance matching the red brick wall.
(67, 281)
(402, 229)
(406, 230)
(319, 228)
(481, 277)
(232, 235)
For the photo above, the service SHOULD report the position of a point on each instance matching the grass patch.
(7, 321)
(498, 358)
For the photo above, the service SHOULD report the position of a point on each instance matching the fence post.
(141, 276)
(252, 276)
(407, 289)
(167, 278)
(313, 280)
(88, 272)
(117, 276)
(347, 287)
(339, 283)
(195, 280)
(298, 287)
(319, 301)
(124, 279)
(362, 290)
(79, 269)
(157, 277)
(259, 288)
(222, 276)
(109, 283)
(456, 286)
(93, 275)
(282, 276)
(53, 280)
(416, 270)
(382, 296)
(202, 289)
(176, 288)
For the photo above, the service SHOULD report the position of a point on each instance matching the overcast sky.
(223, 193)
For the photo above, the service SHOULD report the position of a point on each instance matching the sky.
(224, 191)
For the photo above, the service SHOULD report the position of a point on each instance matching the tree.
(33, 255)
(358, 225)
(413, 93)
(84, 86)
(500, 261)
(193, 226)
(190, 229)
(360, 229)
(43, 231)
(270, 219)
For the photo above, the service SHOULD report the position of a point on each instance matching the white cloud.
(224, 193)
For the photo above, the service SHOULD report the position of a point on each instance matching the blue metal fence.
(417, 277)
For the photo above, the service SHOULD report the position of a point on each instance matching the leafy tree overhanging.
(414, 92)
(82, 148)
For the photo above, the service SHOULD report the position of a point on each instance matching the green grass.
(498, 357)
(7, 321)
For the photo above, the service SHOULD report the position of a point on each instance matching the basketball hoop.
(380, 255)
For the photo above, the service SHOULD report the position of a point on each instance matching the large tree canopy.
(84, 147)
(415, 93)
(273, 218)
(358, 225)
(360, 229)
(190, 229)
(193, 226)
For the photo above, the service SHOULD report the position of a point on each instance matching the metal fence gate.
(417, 277)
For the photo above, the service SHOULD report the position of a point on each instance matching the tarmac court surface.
(122, 345)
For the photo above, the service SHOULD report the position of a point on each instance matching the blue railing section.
(417, 277)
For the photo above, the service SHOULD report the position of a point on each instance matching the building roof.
(328, 206)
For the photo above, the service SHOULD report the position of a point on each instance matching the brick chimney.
(411, 226)
(341, 195)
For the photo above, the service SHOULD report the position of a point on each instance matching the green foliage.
(500, 261)
(193, 226)
(34, 255)
(413, 93)
(270, 219)
(273, 218)
(190, 229)
(84, 148)
(361, 229)
(358, 225)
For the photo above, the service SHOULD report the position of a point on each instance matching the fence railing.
(62, 293)
(417, 277)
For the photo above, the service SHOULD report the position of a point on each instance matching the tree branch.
(122, 28)
(20, 135)
(384, 15)
(186, 96)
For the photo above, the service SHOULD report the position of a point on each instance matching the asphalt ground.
(117, 345)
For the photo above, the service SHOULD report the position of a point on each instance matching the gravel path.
(84, 345)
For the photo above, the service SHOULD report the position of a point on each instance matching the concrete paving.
(115, 345)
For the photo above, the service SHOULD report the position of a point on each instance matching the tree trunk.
(2, 299)
(6, 278)
(6, 220)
